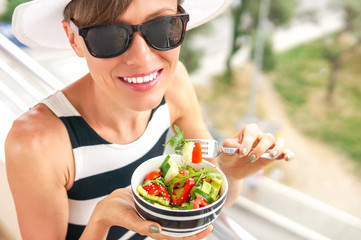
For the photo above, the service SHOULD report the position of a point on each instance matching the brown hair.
(90, 12)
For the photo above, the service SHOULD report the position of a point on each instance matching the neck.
(111, 120)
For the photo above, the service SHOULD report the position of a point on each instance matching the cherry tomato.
(157, 190)
(174, 199)
(153, 175)
(184, 172)
(199, 202)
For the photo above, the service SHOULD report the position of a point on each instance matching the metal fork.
(211, 149)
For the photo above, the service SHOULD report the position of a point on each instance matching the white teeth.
(140, 80)
(148, 78)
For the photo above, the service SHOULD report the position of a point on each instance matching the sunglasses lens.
(108, 40)
(164, 33)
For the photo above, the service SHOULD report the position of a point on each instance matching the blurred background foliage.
(191, 55)
(10, 6)
(245, 16)
(318, 81)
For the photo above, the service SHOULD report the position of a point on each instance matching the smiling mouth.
(142, 79)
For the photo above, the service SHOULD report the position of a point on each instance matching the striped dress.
(101, 166)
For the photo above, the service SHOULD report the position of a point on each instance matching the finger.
(200, 235)
(286, 155)
(197, 236)
(278, 149)
(232, 143)
(289, 155)
(248, 138)
(267, 141)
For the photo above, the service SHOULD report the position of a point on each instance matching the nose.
(138, 53)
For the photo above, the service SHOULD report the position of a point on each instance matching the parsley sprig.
(177, 142)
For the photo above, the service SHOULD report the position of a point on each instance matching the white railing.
(23, 59)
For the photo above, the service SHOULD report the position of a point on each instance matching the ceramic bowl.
(177, 223)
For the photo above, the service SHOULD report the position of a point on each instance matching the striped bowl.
(176, 223)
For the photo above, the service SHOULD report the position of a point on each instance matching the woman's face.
(138, 78)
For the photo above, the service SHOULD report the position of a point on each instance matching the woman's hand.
(118, 209)
(252, 143)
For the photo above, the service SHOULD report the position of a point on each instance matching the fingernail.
(154, 229)
(289, 156)
(274, 153)
(252, 158)
(244, 151)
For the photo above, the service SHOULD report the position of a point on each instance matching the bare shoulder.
(36, 140)
(38, 165)
(180, 95)
(32, 130)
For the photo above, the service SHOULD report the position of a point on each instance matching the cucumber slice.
(169, 170)
(165, 161)
(216, 187)
(178, 192)
(192, 194)
(201, 194)
(206, 187)
(187, 152)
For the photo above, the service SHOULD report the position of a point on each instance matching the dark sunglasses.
(111, 40)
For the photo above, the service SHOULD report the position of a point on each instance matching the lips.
(142, 82)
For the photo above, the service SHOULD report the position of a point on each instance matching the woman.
(69, 159)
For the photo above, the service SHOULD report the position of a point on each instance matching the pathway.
(319, 170)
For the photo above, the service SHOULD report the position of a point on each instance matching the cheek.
(100, 65)
(172, 58)
(100, 69)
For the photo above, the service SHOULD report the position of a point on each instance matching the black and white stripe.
(101, 166)
(181, 221)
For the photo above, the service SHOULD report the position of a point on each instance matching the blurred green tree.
(190, 55)
(10, 6)
(245, 16)
(348, 38)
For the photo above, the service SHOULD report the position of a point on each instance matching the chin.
(147, 103)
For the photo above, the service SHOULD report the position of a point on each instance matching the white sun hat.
(37, 23)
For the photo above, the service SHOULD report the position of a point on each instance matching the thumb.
(155, 228)
(143, 227)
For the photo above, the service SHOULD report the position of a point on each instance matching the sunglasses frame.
(83, 32)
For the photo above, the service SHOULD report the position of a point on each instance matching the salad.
(181, 187)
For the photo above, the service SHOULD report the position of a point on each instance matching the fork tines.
(208, 146)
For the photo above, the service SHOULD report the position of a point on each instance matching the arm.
(186, 114)
(40, 170)
(38, 175)
(184, 106)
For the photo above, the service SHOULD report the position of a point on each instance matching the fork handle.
(230, 150)
(236, 150)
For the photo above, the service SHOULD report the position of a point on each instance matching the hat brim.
(202, 11)
(37, 23)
